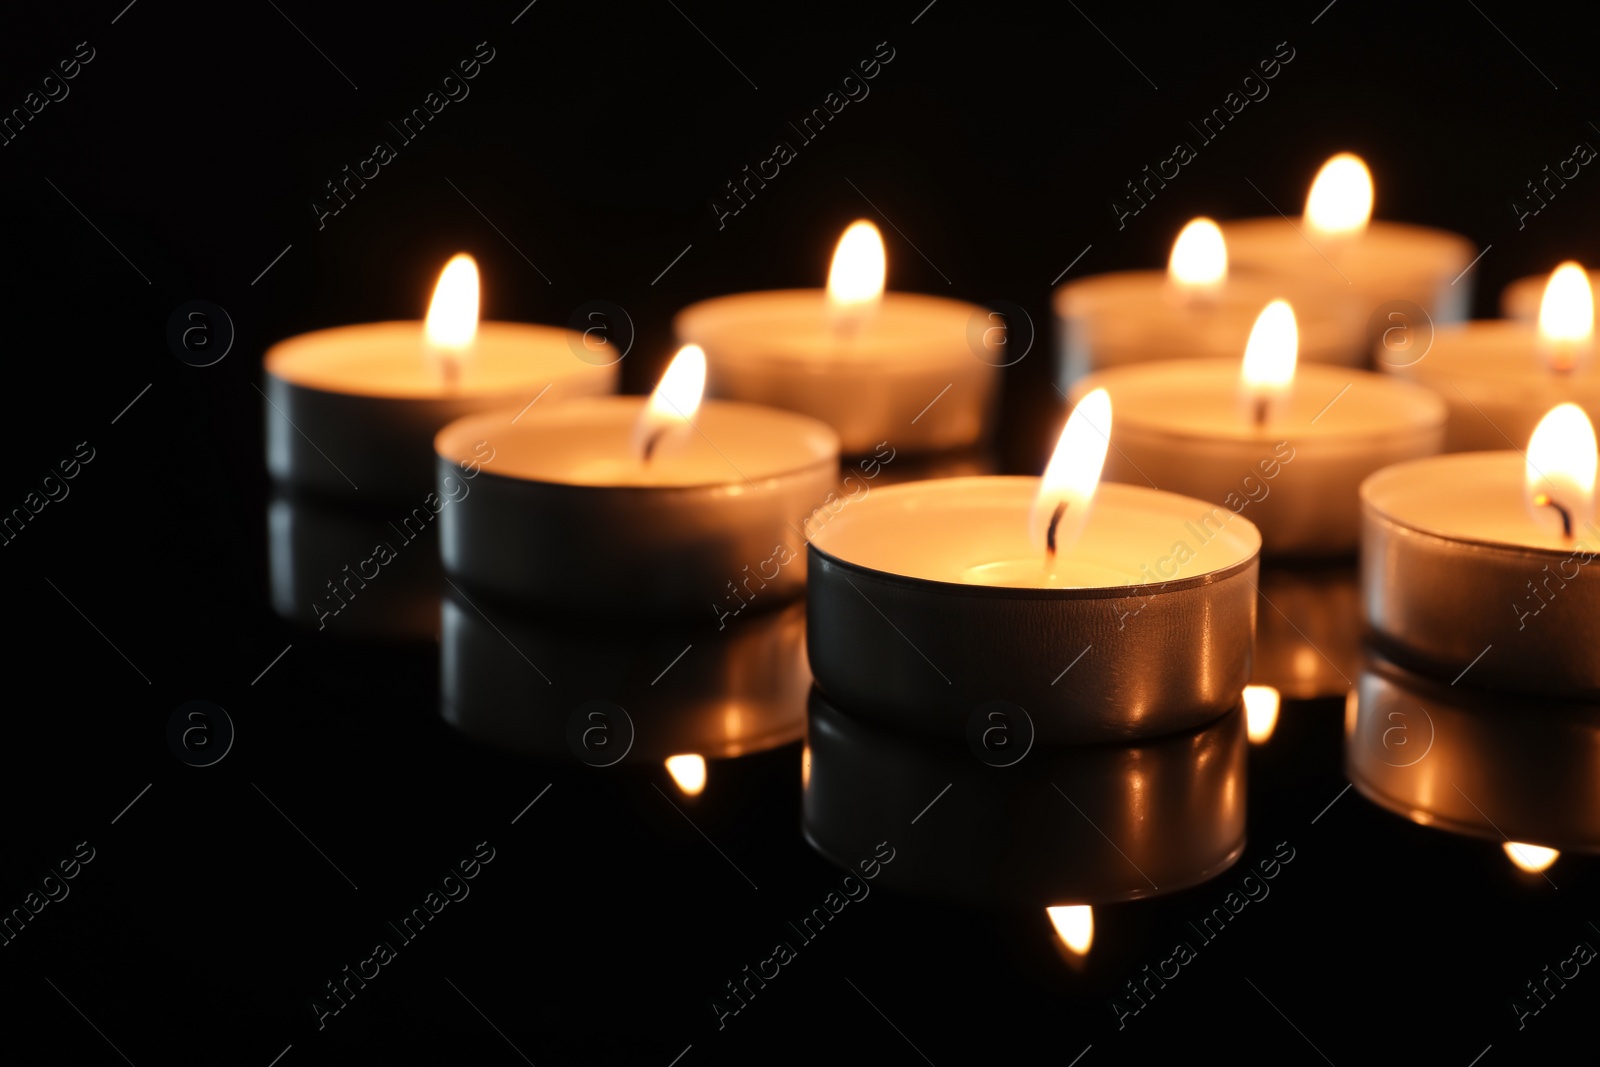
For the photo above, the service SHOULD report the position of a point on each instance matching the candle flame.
(452, 322)
(673, 404)
(1267, 373)
(1566, 318)
(1530, 858)
(689, 772)
(1061, 507)
(855, 279)
(1074, 925)
(805, 766)
(1260, 712)
(1340, 201)
(1559, 471)
(1199, 260)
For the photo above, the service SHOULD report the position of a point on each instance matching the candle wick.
(1544, 500)
(452, 372)
(1261, 405)
(1050, 531)
(650, 444)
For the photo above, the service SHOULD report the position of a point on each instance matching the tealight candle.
(630, 504)
(355, 408)
(1339, 249)
(1522, 298)
(1197, 308)
(1499, 377)
(929, 599)
(1476, 564)
(1288, 444)
(876, 366)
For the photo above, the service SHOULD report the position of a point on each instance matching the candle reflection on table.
(1022, 835)
(690, 694)
(326, 573)
(1515, 770)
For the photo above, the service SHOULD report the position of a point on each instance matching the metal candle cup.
(923, 604)
(354, 408)
(1178, 426)
(567, 516)
(879, 382)
(1458, 581)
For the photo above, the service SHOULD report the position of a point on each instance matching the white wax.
(1497, 387)
(1521, 299)
(1386, 261)
(1108, 320)
(1036, 573)
(1181, 426)
(877, 383)
(974, 532)
(392, 359)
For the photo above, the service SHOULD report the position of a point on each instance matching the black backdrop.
(186, 157)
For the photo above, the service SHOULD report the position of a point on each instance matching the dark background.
(195, 143)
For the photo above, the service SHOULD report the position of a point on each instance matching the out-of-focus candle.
(1338, 250)
(1286, 443)
(928, 599)
(354, 408)
(1198, 308)
(871, 364)
(1523, 298)
(1480, 562)
(631, 503)
(1499, 377)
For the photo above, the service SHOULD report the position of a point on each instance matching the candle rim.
(466, 427)
(1331, 376)
(707, 322)
(1375, 482)
(1376, 229)
(547, 350)
(1106, 494)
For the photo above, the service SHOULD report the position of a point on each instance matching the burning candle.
(1286, 443)
(1337, 249)
(875, 366)
(662, 504)
(1477, 564)
(1197, 308)
(354, 408)
(1523, 298)
(929, 599)
(1499, 377)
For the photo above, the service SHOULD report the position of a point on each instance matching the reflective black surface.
(191, 879)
